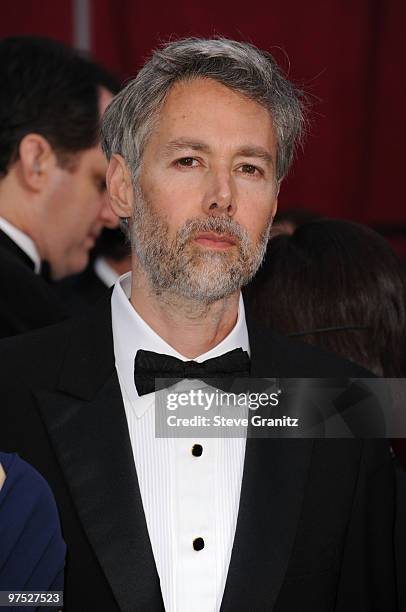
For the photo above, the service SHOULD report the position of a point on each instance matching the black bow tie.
(149, 365)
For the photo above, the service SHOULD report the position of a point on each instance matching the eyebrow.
(194, 145)
(178, 145)
(253, 151)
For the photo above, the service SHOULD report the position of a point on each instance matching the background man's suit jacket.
(27, 302)
(80, 291)
(314, 530)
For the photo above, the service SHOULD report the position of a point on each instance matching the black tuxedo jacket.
(27, 302)
(81, 290)
(314, 529)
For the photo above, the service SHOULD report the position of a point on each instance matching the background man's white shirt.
(184, 497)
(105, 272)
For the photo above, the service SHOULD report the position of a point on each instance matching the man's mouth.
(215, 241)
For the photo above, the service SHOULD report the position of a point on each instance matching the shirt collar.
(105, 272)
(131, 333)
(23, 241)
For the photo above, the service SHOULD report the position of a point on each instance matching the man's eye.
(187, 162)
(250, 169)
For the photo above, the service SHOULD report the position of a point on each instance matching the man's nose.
(107, 215)
(220, 197)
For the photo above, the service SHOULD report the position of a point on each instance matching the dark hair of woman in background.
(338, 285)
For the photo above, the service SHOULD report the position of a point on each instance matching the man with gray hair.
(198, 144)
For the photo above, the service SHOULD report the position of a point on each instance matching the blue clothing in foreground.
(32, 550)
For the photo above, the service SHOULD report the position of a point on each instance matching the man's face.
(207, 192)
(77, 210)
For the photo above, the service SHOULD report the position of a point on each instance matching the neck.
(17, 207)
(190, 327)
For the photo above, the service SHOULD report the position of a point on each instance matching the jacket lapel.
(101, 476)
(88, 429)
(274, 480)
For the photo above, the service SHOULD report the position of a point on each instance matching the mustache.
(219, 225)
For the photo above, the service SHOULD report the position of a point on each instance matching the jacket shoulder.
(27, 301)
(81, 344)
(297, 358)
(35, 356)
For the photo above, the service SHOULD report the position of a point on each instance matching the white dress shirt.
(23, 241)
(105, 272)
(184, 496)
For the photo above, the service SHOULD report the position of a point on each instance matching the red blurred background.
(347, 54)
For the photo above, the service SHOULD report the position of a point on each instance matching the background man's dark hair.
(51, 90)
(336, 274)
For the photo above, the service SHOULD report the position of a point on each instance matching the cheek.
(256, 211)
(174, 203)
(255, 230)
(87, 207)
(76, 226)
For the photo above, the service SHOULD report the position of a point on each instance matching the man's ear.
(120, 187)
(36, 157)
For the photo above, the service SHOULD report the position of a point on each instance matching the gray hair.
(130, 118)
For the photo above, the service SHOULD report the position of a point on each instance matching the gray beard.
(180, 267)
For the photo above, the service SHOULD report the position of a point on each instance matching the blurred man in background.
(110, 258)
(53, 202)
